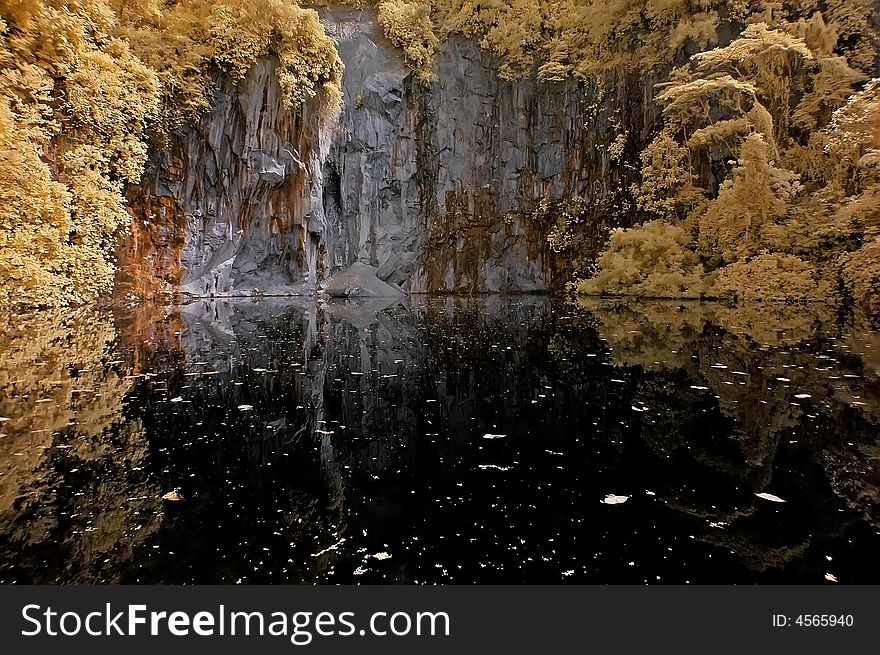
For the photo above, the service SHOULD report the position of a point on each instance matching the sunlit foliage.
(408, 26)
(82, 82)
(653, 260)
(74, 104)
(558, 38)
(190, 41)
(768, 160)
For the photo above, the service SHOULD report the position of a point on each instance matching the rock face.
(433, 186)
(360, 280)
(223, 211)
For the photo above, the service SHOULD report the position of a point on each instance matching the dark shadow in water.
(439, 440)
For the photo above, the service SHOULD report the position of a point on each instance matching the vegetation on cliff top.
(765, 171)
(188, 42)
(81, 83)
(762, 182)
(558, 38)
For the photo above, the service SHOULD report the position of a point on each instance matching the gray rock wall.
(433, 186)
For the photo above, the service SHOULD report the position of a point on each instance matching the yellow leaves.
(758, 193)
(699, 29)
(757, 45)
(861, 275)
(852, 141)
(667, 188)
(188, 42)
(408, 26)
(771, 277)
(749, 115)
(58, 223)
(652, 260)
(73, 93)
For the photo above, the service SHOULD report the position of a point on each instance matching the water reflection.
(439, 440)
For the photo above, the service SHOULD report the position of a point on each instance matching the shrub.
(651, 260)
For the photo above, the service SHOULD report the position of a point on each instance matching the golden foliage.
(852, 141)
(558, 38)
(653, 260)
(667, 187)
(770, 277)
(74, 95)
(757, 194)
(408, 26)
(861, 275)
(190, 41)
(770, 116)
(81, 82)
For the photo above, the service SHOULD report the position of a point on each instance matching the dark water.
(439, 440)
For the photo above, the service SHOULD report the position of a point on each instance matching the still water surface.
(490, 440)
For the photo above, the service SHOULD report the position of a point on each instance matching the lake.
(493, 439)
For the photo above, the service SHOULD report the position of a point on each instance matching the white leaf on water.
(245, 408)
(381, 556)
(329, 548)
(830, 577)
(494, 436)
(770, 497)
(612, 499)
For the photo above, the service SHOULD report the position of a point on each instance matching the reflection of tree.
(70, 476)
(780, 374)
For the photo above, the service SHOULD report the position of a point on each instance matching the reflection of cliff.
(470, 438)
(294, 427)
(229, 403)
(71, 480)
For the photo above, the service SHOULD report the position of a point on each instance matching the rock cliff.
(433, 186)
